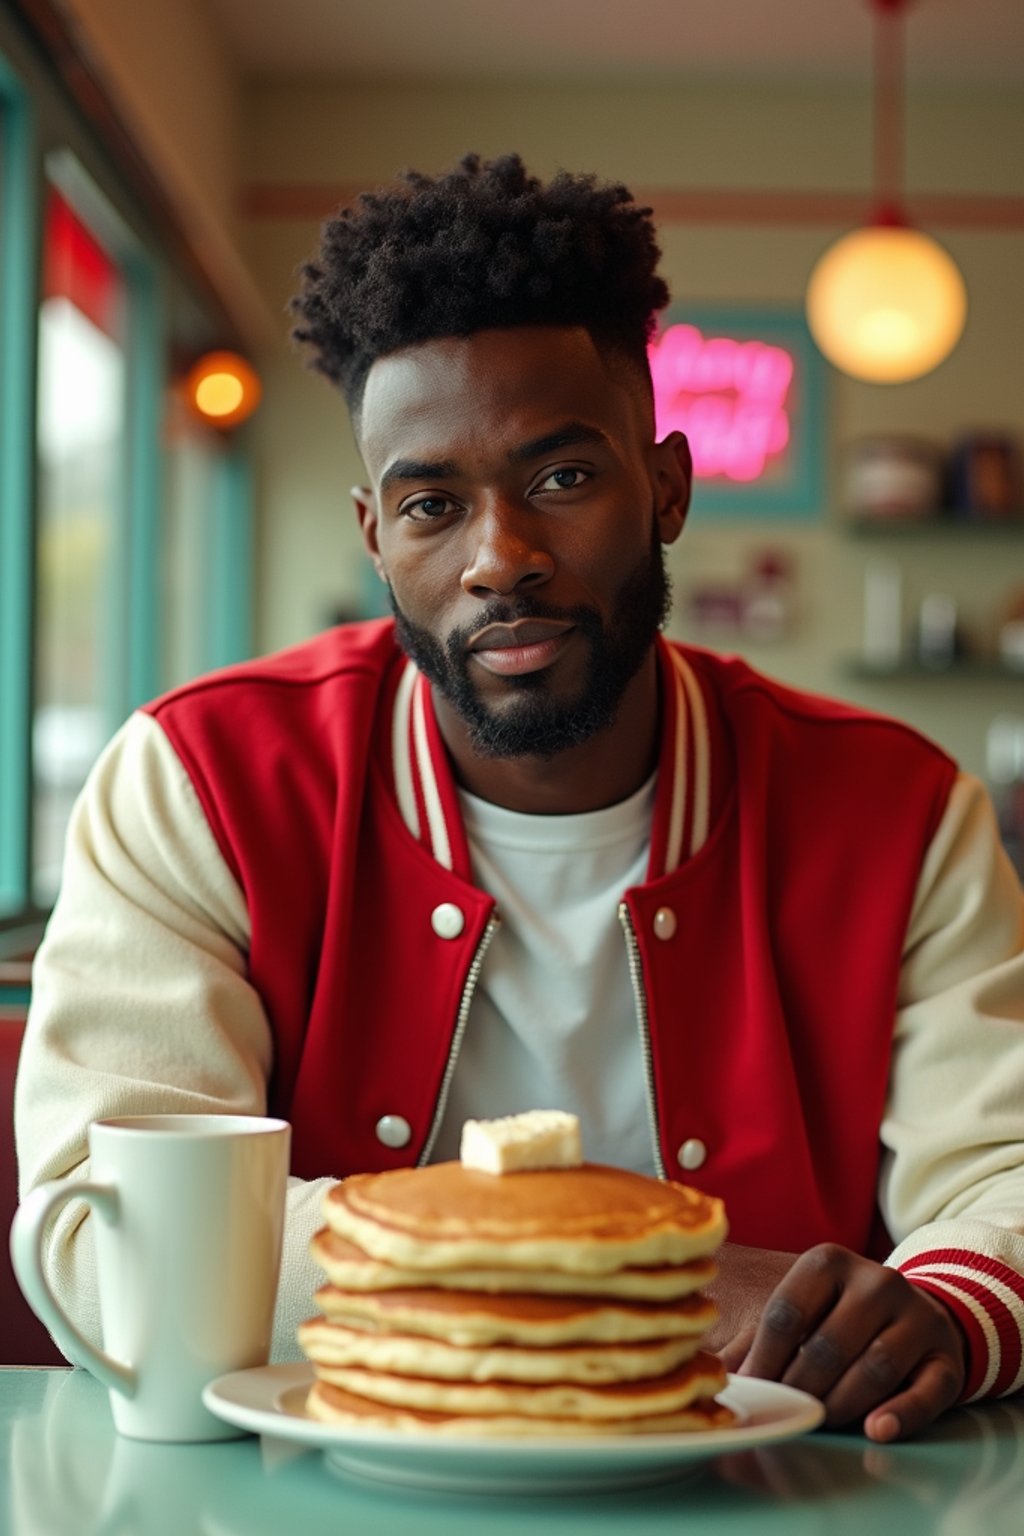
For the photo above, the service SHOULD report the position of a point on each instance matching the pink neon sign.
(729, 397)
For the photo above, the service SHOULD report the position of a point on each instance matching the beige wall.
(165, 66)
(738, 136)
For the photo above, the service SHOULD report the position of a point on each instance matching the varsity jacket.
(268, 906)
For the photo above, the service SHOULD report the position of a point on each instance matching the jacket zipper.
(461, 1020)
(636, 976)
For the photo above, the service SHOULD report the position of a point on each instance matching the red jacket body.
(786, 847)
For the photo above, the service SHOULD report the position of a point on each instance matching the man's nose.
(506, 554)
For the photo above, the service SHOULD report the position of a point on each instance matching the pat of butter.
(540, 1138)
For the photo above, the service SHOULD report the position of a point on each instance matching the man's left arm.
(943, 1320)
(952, 1178)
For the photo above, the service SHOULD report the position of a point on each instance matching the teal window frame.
(227, 606)
(142, 490)
(19, 265)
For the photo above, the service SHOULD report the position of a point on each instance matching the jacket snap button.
(447, 920)
(692, 1154)
(394, 1131)
(664, 923)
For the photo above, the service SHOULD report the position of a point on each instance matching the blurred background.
(165, 166)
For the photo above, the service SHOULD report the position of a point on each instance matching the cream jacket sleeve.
(140, 1004)
(952, 1185)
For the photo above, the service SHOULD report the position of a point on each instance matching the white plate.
(271, 1399)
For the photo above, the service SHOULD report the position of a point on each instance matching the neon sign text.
(729, 397)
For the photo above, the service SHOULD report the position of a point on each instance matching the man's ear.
(673, 480)
(366, 511)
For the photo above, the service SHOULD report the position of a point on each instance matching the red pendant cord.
(888, 111)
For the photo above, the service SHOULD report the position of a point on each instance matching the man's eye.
(564, 480)
(426, 508)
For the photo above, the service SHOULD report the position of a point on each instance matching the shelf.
(913, 671)
(939, 526)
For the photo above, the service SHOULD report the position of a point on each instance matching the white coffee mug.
(188, 1216)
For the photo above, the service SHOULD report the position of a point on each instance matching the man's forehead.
(526, 381)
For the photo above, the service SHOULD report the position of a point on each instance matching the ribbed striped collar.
(687, 770)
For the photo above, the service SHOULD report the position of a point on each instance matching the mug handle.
(27, 1259)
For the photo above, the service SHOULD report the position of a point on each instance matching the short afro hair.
(479, 247)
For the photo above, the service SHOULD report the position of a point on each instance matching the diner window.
(81, 449)
(125, 528)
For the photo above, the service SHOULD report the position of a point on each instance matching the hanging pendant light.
(887, 303)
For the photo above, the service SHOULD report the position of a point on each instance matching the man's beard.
(536, 724)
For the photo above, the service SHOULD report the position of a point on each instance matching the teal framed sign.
(747, 386)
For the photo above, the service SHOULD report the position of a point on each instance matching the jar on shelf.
(985, 479)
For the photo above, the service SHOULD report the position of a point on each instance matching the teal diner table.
(64, 1472)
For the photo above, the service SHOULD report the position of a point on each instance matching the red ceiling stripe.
(315, 201)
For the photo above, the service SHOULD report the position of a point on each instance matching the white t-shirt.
(553, 1021)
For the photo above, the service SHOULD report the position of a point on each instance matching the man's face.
(518, 515)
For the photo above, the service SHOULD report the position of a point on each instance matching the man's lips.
(510, 650)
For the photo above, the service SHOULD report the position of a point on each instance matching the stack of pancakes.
(550, 1301)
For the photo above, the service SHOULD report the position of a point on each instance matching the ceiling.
(948, 41)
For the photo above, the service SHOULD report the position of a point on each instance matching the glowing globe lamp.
(886, 304)
(223, 389)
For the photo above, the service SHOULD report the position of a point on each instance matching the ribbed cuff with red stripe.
(986, 1297)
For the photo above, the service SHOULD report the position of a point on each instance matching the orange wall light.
(223, 389)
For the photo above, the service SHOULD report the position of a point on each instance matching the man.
(514, 850)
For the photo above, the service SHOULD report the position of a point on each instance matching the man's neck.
(600, 772)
